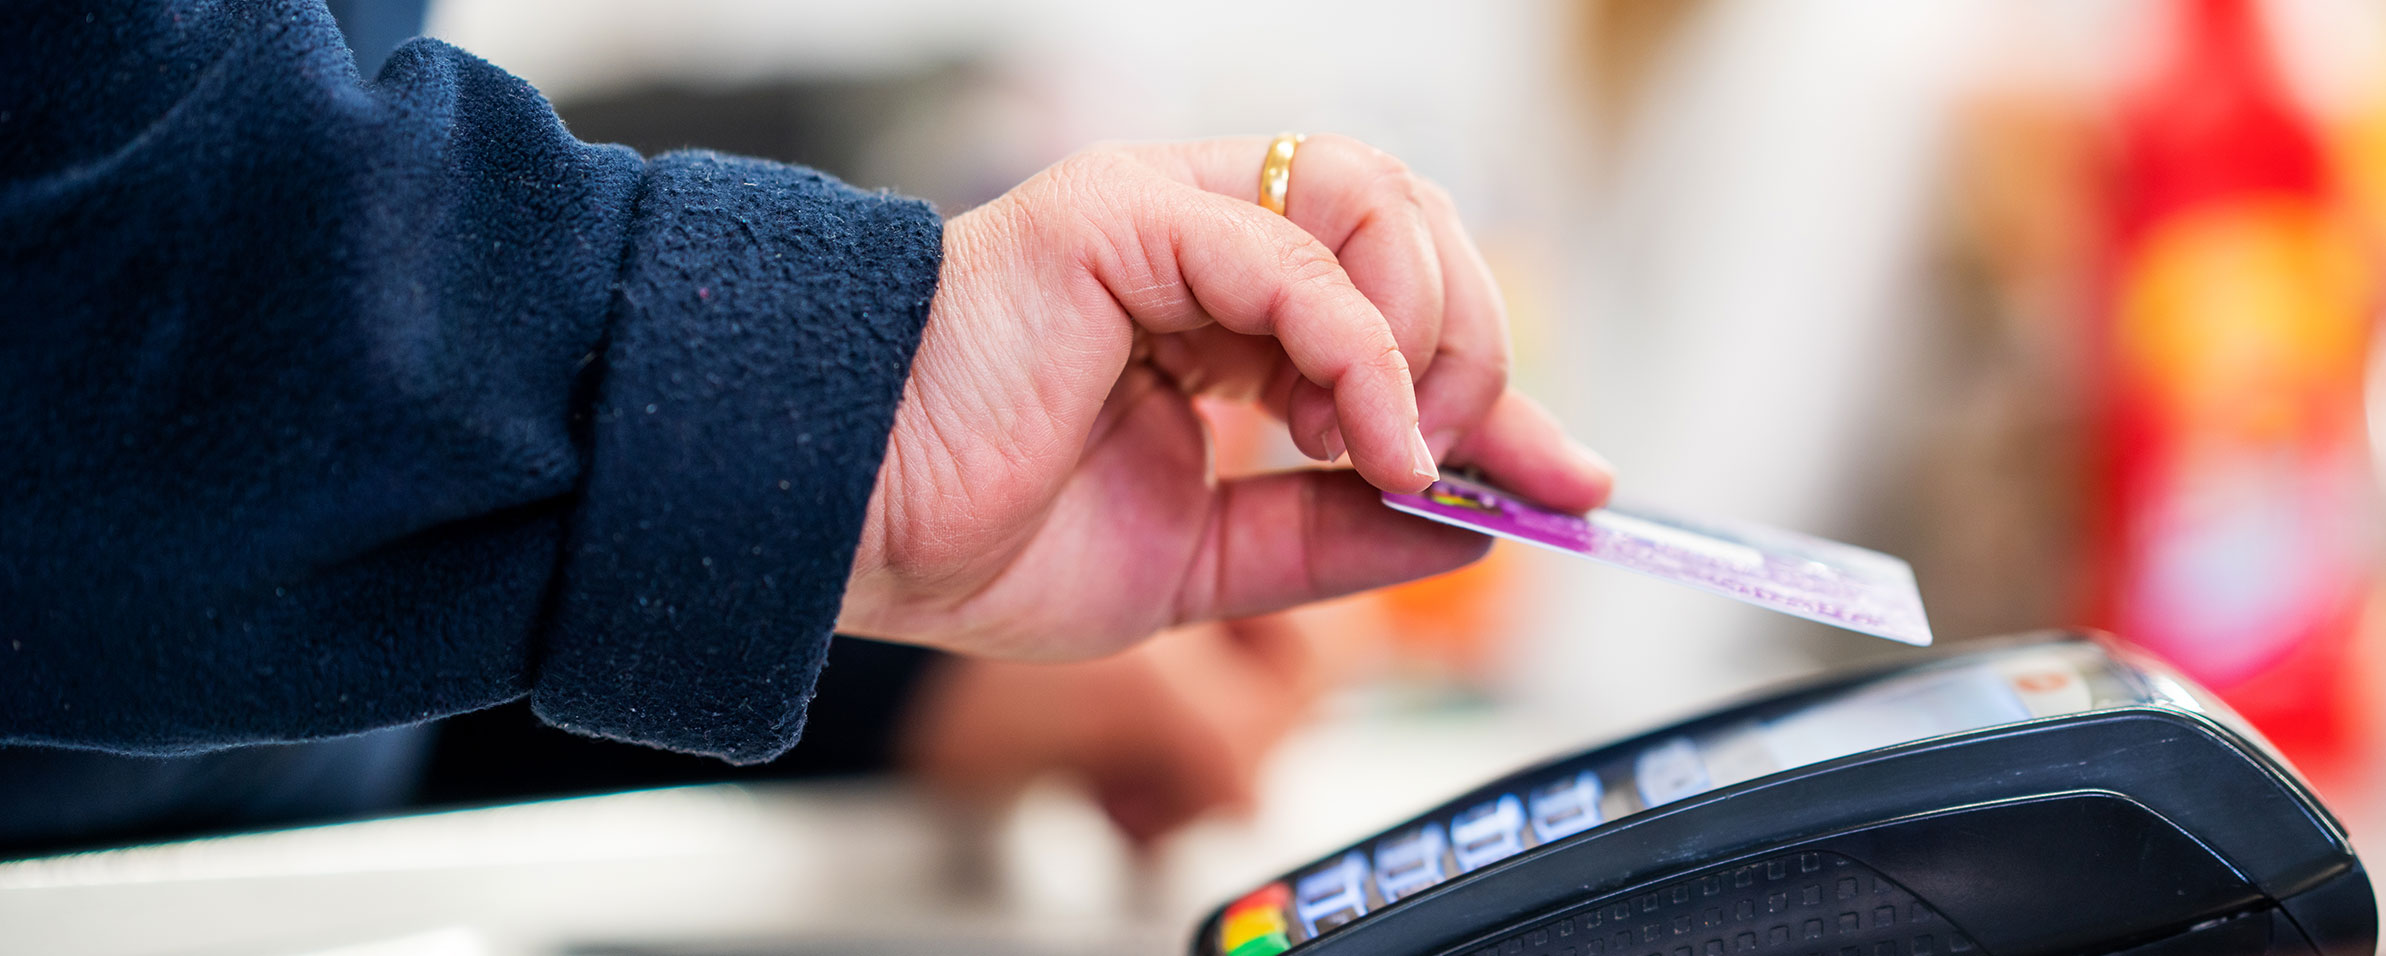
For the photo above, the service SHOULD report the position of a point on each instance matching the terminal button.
(1268, 945)
(1249, 925)
(1488, 833)
(1334, 895)
(1274, 896)
(1254, 918)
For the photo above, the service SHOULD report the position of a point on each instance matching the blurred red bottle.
(2235, 532)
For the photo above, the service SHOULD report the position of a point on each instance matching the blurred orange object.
(2235, 535)
(1450, 626)
(1443, 628)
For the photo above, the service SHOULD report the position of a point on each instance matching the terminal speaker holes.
(1795, 904)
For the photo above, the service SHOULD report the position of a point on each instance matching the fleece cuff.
(762, 333)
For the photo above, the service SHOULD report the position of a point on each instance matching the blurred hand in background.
(1160, 735)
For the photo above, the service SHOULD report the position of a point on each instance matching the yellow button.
(1247, 925)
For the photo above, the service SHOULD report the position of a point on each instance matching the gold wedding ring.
(1275, 173)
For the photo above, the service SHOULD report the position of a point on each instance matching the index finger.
(1191, 257)
(1363, 204)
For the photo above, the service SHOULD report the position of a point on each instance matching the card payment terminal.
(2045, 795)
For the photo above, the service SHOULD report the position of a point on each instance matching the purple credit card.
(1798, 574)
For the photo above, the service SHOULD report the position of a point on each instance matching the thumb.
(1280, 540)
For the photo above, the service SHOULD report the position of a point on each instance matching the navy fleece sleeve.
(330, 404)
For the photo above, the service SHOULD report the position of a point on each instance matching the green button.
(1268, 945)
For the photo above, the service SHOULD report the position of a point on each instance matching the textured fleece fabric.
(331, 404)
(376, 28)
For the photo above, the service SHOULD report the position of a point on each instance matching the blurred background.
(2070, 303)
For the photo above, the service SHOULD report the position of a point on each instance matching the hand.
(1159, 736)
(1047, 490)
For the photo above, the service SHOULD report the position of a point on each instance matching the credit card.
(1837, 584)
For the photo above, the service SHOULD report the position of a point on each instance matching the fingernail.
(1421, 458)
(1333, 442)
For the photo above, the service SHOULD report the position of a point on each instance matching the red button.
(1274, 896)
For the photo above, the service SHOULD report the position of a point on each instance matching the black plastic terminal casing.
(2150, 829)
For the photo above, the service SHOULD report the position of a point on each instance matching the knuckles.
(1306, 263)
(1384, 181)
(1089, 176)
(1389, 361)
(1087, 206)
(1434, 196)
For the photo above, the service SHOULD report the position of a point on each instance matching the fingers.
(1275, 541)
(1218, 362)
(1361, 202)
(1315, 422)
(1471, 370)
(1349, 329)
(1191, 256)
(1365, 206)
(1522, 448)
